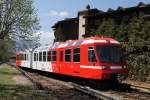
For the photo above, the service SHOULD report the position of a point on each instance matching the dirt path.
(21, 80)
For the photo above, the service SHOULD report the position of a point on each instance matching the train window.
(37, 56)
(48, 56)
(34, 56)
(20, 57)
(76, 55)
(61, 56)
(91, 55)
(68, 55)
(24, 56)
(17, 57)
(44, 56)
(40, 56)
(53, 55)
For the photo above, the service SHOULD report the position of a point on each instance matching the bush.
(5, 51)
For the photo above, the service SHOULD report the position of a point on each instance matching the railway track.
(97, 94)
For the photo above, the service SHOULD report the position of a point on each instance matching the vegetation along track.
(59, 87)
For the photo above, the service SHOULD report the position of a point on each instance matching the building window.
(61, 56)
(53, 55)
(76, 55)
(48, 56)
(91, 55)
(40, 56)
(44, 56)
(68, 55)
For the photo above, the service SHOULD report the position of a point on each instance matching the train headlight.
(124, 67)
(104, 67)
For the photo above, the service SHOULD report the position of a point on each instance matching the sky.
(51, 11)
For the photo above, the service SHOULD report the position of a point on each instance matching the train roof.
(68, 43)
(23, 52)
(90, 40)
(42, 48)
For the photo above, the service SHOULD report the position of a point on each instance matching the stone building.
(90, 19)
(66, 30)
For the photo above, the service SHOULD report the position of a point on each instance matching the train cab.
(94, 58)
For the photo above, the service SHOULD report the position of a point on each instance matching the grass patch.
(10, 91)
(8, 70)
(6, 75)
(6, 80)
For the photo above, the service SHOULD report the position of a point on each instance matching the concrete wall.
(81, 28)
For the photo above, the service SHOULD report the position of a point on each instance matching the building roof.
(120, 9)
(63, 21)
(110, 10)
(94, 10)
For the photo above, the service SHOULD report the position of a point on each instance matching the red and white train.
(91, 58)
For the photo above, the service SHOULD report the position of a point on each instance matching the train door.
(76, 61)
(35, 60)
(49, 64)
(22, 60)
(25, 60)
(28, 59)
(57, 67)
(31, 60)
(91, 56)
(60, 63)
(45, 63)
(39, 63)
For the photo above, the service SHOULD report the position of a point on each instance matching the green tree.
(138, 49)
(18, 23)
(106, 28)
(17, 19)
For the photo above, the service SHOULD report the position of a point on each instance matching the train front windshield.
(110, 54)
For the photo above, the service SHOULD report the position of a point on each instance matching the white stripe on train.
(100, 67)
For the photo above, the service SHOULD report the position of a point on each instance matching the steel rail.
(87, 90)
